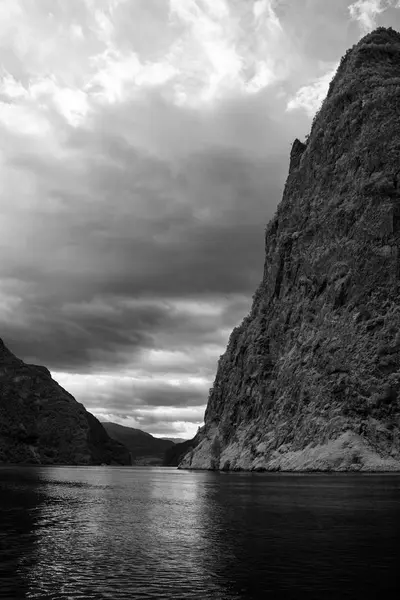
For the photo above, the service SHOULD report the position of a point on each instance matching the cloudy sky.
(144, 146)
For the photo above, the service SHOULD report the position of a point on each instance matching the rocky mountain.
(41, 423)
(174, 455)
(311, 378)
(143, 447)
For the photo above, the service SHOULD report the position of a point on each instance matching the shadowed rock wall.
(311, 378)
(41, 423)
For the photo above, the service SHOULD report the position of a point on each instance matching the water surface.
(156, 533)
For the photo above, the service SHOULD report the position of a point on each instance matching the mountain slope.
(310, 380)
(176, 453)
(139, 443)
(41, 423)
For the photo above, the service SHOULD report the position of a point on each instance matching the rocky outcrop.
(174, 455)
(311, 378)
(41, 423)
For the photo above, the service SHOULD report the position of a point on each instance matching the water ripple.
(137, 533)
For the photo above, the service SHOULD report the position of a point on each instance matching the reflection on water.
(19, 503)
(109, 532)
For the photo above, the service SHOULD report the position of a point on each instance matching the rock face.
(175, 454)
(41, 423)
(311, 378)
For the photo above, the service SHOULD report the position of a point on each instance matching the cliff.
(174, 455)
(41, 423)
(311, 378)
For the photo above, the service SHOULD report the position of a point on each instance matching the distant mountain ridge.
(143, 447)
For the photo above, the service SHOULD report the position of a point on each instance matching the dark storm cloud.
(119, 222)
(108, 334)
(125, 396)
(76, 339)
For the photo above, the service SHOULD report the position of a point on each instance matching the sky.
(144, 147)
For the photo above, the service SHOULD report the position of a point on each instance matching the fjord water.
(155, 533)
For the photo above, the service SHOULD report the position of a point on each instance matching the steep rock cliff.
(311, 378)
(175, 454)
(41, 423)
